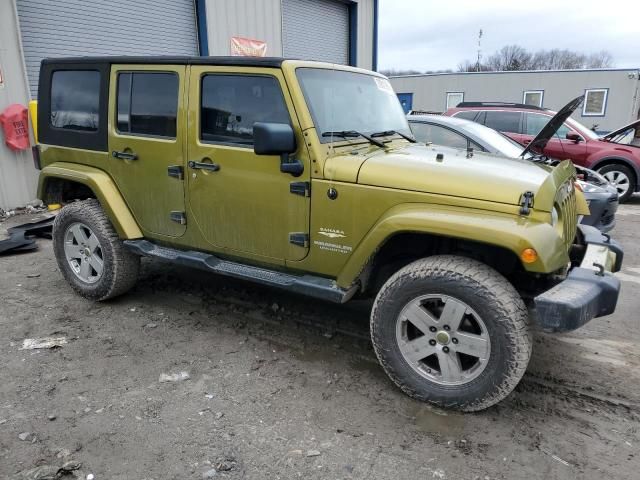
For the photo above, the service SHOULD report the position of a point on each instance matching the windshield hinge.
(178, 217)
(300, 188)
(175, 171)
(300, 239)
(526, 203)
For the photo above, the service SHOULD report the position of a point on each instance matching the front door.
(241, 202)
(146, 129)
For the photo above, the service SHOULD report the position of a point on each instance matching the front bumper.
(588, 291)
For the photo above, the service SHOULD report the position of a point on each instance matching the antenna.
(479, 50)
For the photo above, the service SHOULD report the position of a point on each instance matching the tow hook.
(600, 268)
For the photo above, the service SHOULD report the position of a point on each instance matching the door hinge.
(526, 203)
(300, 188)
(175, 171)
(300, 239)
(178, 217)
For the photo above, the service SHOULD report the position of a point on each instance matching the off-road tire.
(616, 167)
(121, 267)
(484, 290)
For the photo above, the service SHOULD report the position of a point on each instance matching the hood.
(418, 167)
(550, 129)
(610, 136)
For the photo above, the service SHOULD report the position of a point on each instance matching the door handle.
(124, 155)
(211, 167)
(526, 142)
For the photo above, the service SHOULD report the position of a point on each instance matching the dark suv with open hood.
(616, 156)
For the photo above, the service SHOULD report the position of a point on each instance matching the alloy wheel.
(443, 339)
(83, 252)
(618, 179)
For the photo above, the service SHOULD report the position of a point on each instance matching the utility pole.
(479, 50)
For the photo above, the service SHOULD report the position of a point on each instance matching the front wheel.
(451, 331)
(621, 177)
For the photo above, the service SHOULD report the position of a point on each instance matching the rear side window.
(231, 104)
(75, 100)
(535, 123)
(147, 103)
(467, 114)
(426, 132)
(503, 121)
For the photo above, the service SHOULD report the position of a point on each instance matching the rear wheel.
(621, 177)
(90, 255)
(451, 331)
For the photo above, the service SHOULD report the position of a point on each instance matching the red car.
(616, 156)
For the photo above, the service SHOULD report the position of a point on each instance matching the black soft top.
(170, 60)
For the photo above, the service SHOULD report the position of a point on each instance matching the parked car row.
(616, 156)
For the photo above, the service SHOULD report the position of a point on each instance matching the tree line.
(515, 58)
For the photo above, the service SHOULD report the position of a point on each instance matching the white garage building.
(340, 31)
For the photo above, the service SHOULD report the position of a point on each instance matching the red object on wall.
(15, 125)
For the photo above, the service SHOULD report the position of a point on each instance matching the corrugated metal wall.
(316, 30)
(106, 27)
(18, 177)
(430, 91)
(260, 20)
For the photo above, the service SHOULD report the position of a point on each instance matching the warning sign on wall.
(248, 47)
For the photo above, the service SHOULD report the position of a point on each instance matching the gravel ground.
(281, 386)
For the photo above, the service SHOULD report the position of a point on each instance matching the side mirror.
(574, 137)
(277, 139)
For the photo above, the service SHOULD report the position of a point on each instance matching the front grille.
(607, 219)
(566, 204)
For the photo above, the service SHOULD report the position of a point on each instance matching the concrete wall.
(262, 20)
(430, 91)
(18, 176)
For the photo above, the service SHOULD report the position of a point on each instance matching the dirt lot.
(288, 387)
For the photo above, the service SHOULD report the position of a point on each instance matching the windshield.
(499, 142)
(349, 101)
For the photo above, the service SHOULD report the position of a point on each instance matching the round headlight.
(554, 216)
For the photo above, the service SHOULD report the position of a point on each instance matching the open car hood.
(615, 133)
(550, 129)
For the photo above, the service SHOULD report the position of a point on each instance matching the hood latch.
(526, 203)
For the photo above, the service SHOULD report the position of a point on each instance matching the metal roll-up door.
(316, 30)
(65, 28)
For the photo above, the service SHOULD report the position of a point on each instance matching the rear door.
(146, 144)
(507, 122)
(241, 202)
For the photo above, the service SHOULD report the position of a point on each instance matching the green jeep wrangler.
(304, 176)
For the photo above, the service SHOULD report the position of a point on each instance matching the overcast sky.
(437, 35)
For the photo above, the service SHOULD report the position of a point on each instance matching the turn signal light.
(529, 255)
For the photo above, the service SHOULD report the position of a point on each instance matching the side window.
(467, 114)
(563, 130)
(503, 121)
(231, 104)
(535, 123)
(75, 100)
(426, 132)
(147, 103)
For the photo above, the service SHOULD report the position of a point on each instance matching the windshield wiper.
(353, 134)
(386, 133)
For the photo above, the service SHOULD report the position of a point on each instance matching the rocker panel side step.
(310, 285)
